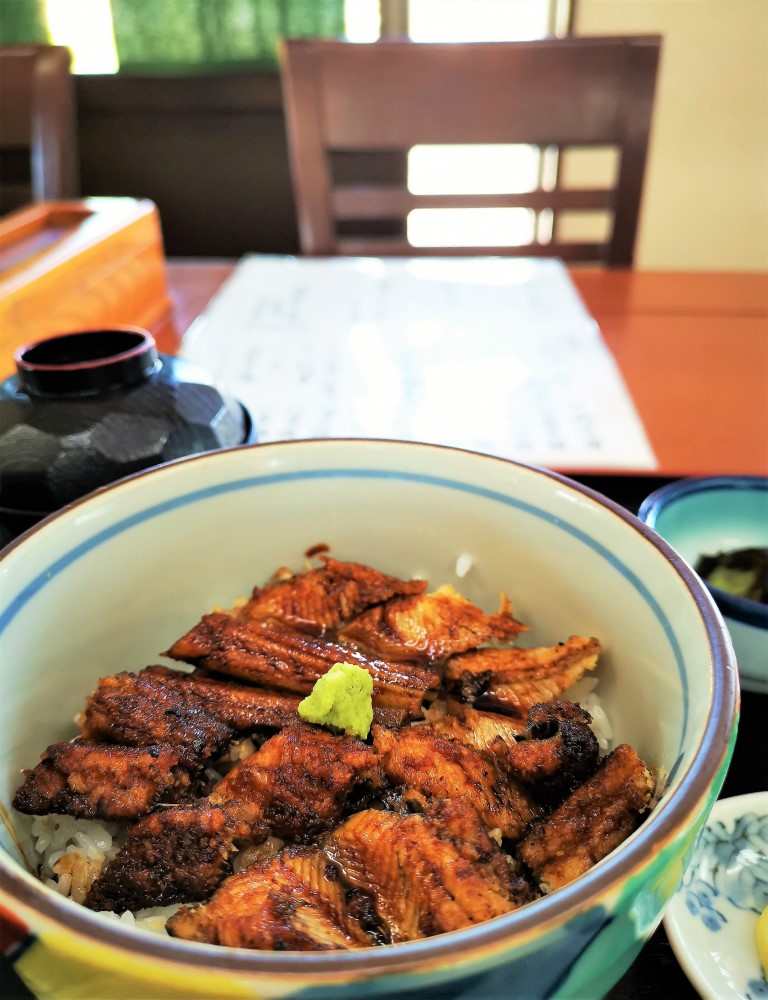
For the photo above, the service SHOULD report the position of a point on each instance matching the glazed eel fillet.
(595, 818)
(97, 781)
(429, 626)
(144, 737)
(136, 710)
(379, 877)
(423, 766)
(327, 596)
(295, 901)
(269, 654)
(294, 787)
(155, 704)
(511, 680)
(551, 757)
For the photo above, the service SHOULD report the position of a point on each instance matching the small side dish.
(719, 525)
(201, 803)
(712, 919)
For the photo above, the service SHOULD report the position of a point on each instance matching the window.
(85, 26)
(477, 20)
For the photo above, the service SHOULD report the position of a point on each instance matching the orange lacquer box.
(75, 265)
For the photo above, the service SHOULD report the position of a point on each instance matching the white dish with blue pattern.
(711, 919)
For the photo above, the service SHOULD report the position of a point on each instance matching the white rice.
(583, 693)
(151, 919)
(463, 564)
(71, 853)
(56, 836)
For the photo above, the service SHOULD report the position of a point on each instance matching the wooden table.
(692, 347)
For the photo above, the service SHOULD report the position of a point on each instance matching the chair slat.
(350, 246)
(384, 202)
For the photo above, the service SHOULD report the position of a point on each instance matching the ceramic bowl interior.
(706, 516)
(108, 583)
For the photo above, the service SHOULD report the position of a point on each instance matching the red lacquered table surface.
(692, 348)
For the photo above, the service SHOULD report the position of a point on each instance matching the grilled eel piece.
(483, 730)
(511, 680)
(294, 787)
(429, 626)
(142, 710)
(293, 901)
(380, 877)
(171, 856)
(326, 596)
(425, 765)
(241, 706)
(196, 715)
(593, 820)
(99, 781)
(143, 739)
(551, 757)
(299, 779)
(557, 752)
(272, 655)
(428, 873)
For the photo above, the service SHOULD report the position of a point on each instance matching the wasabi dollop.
(342, 699)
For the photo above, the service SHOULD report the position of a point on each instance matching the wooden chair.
(38, 147)
(350, 106)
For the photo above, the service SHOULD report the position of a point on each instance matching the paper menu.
(493, 354)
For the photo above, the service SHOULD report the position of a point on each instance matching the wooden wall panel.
(209, 151)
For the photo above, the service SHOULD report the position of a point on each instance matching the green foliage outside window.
(192, 36)
(201, 35)
(22, 21)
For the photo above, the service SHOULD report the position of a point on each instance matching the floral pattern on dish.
(710, 921)
(730, 864)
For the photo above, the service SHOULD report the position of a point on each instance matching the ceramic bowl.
(716, 514)
(107, 583)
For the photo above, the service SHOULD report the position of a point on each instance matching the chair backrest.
(38, 143)
(347, 104)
